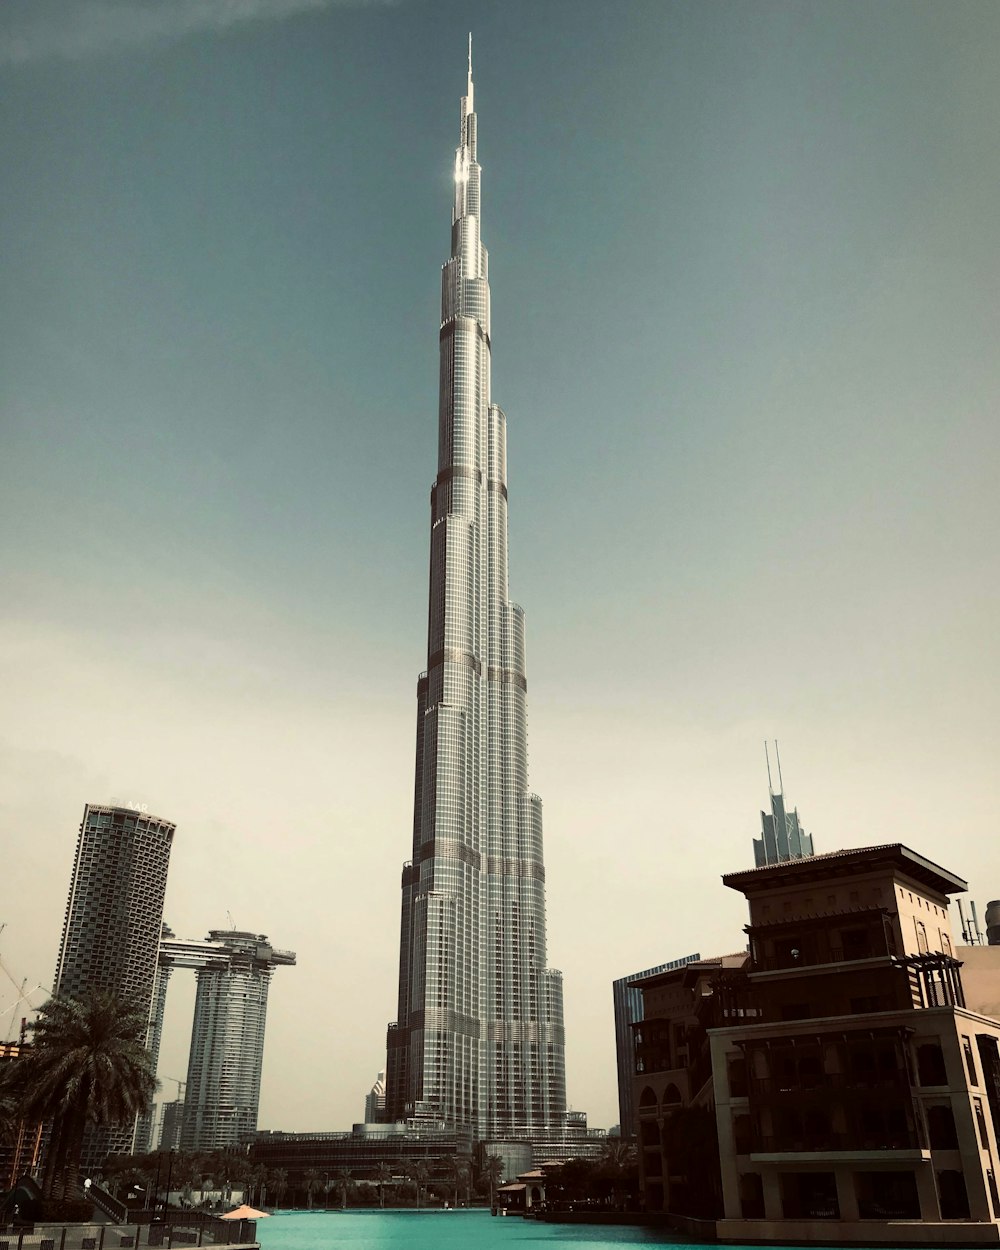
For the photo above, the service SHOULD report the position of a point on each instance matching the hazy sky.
(745, 307)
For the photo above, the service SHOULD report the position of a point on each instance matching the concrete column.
(727, 1159)
(930, 1204)
(661, 1124)
(980, 1207)
(847, 1196)
(773, 1209)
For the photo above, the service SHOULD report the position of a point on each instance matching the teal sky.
(744, 262)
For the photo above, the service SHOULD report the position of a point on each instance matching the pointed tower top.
(468, 101)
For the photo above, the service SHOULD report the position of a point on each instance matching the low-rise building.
(20, 1152)
(627, 999)
(399, 1147)
(855, 1093)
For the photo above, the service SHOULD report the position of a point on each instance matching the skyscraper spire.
(478, 1038)
(782, 836)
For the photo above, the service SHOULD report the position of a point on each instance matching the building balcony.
(835, 1083)
(652, 1062)
(838, 938)
(802, 957)
(834, 1146)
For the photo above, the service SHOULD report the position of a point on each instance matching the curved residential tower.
(478, 1039)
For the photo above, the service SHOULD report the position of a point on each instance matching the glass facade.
(782, 836)
(233, 971)
(111, 932)
(478, 1041)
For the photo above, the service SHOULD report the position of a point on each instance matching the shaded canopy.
(244, 1213)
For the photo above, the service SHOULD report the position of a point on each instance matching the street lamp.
(156, 1182)
(170, 1168)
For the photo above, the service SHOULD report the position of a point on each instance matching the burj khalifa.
(478, 1041)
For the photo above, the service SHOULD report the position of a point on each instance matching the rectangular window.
(970, 1063)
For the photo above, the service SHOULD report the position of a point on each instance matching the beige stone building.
(981, 978)
(855, 1085)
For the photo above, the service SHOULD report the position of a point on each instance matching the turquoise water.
(439, 1230)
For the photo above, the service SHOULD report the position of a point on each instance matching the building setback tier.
(478, 1039)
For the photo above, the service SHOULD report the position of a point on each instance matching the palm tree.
(10, 1116)
(616, 1162)
(383, 1177)
(244, 1177)
(344, 1176)
(491, 1170)
(223, 1171)
(419, 1175)
(311, 1179)
(88, 1064)
(279, 1183)
(458, 1173)
(184, 1175)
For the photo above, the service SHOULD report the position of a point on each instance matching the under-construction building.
(233, 971)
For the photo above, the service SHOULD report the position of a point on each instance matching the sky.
(745, 279)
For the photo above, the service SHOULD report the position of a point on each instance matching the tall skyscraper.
(478, 1041)
(627, 999)
(111, 934)
(233, 971)
(222, 1092)
(782, 837)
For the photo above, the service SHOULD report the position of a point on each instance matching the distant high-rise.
(375, 1101)
(627, 998)
(782, 837)
(171, 1122)
(478, 1039)
(111, 933)
(233, 971)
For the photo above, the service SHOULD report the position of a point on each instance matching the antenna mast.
(965, 931)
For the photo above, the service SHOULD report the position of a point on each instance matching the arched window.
(647, 1099)
(671, 1095)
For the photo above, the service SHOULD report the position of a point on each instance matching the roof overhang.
(847, 863)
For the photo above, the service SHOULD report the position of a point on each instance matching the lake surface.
(441, 1230)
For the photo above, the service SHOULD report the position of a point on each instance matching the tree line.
(88, 1065)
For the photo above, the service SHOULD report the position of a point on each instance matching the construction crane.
(23, 996)
(180, 1086)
